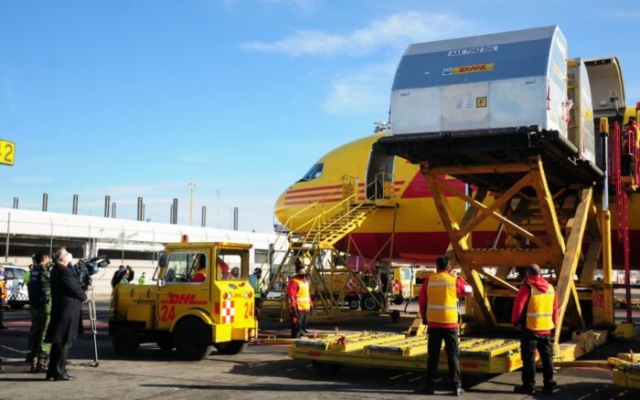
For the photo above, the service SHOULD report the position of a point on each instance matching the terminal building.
(123, 242)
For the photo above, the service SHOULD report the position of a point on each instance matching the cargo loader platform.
(496, 147)
(478, 355)
(397, 351)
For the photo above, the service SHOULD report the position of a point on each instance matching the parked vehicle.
(18, 295)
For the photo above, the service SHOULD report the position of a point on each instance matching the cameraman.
(67, 297)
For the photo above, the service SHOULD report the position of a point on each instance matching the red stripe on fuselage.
(307, 201)
(314, 189)
(362, 184)
(306, 195)
(418, 187)
(312, 194)
(410, 247)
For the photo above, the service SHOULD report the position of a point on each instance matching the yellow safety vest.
(442, 299)
(540, 310)
(302, 298)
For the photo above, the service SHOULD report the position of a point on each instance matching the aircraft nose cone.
(282, 211)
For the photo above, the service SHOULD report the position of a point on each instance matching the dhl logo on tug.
(200, 297)
(183, 299)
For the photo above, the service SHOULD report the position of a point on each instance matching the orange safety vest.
(442, 299)
(302, 297)
(540, 310)
(4, 293)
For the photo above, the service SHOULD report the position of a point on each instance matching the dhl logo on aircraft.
(467, 69)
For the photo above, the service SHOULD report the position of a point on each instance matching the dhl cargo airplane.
(419, 236)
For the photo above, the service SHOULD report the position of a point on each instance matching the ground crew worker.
(630, 136)
(256, 282)
(130, 273)
(143, 279)
(535, 312)
(124, 280)
(117, 276)
(4, 296)
(39, 288)
(201, 273)
(222, 268)
(299, 301)
(634, 138)
(438, 301)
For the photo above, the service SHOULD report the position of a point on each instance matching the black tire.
(16, 306)
(231, 348)
(126, 340)
(325, 369)
(354, 303)
(369, 303)
(397, 300)
(192, 338)
(166, 343)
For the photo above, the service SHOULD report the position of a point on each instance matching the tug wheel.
(193, 339)
(126, 340)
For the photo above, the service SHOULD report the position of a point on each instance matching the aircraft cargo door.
(380, 175)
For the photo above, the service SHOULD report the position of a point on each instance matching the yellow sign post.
(7, 152)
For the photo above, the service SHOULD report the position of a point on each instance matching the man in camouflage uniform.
(39, 287)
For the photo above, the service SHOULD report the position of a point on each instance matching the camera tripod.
(93, 319)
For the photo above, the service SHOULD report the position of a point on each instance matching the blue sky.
(139, 98)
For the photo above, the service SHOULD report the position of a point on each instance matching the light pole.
(191, 186)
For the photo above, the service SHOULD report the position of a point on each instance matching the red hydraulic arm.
(622, 205)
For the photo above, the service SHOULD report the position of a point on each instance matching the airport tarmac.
(262, 371)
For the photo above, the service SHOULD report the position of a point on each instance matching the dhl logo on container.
(467, 69)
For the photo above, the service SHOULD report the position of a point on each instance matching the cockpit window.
(314, 173)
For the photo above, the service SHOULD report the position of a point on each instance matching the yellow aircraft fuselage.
(419, 236)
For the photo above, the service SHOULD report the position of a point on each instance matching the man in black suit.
(67, 297)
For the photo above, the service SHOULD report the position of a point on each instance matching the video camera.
(84, 269)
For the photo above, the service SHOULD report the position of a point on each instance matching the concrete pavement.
(262, 371)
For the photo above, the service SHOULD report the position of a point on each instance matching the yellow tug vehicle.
(201, 299)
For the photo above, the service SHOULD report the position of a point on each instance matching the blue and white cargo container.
(503, 80)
